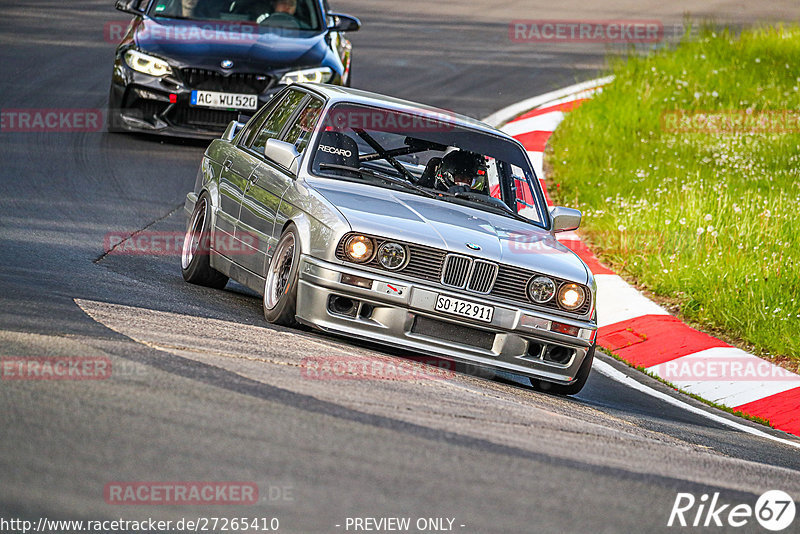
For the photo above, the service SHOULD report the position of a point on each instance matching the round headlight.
(359, 248)
(541, 289)
(392, 255)
(571, 296)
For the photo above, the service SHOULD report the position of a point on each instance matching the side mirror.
(282, 153)
(343, 23)
(565, 219)
(129, 6)
(234, 127)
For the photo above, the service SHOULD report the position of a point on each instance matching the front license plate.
(212, 99)
(479, 312)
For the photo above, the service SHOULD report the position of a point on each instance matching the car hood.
(251, 47)
(449, 226)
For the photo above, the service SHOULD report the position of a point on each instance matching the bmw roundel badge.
(473, 246)
(226, 64)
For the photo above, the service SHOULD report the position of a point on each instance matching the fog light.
(560, 355)
(342, 306)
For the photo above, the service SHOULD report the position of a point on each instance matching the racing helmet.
(464, 168)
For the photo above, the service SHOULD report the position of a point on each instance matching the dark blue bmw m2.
(188, 67)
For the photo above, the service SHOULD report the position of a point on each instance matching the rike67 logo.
(774, 510)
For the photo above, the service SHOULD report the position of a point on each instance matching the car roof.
(337, 93)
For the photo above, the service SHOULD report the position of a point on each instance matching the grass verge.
(687, 169)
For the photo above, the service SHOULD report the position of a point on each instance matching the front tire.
(114, 123)
(280, 286)
(196, 252)
(570, 389)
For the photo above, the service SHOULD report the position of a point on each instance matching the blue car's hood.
(251, 47)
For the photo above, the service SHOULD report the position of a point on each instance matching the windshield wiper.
(375, 174)
(494, 203)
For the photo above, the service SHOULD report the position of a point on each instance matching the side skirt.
(237, 272)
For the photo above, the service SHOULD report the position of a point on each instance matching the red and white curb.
(639, 330)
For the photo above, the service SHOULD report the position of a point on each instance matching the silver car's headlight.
(147, 64)
(571, 296)
(392, 256)
(541, 289)
(316, 75)
(359, 248)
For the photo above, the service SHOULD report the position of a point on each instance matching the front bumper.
(516, 340)
(142, 103)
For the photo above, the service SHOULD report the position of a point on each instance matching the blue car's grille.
(209, 80)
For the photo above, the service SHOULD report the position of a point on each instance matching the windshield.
(292, 14)
(424, 154)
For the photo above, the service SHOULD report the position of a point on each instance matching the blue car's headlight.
(147, 64)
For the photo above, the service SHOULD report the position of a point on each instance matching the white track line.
(612, 373)
(504, 115)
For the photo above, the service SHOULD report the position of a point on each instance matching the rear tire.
(569, 389)
(280, 286)
(196, 252)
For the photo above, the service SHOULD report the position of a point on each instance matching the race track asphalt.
(207, 391)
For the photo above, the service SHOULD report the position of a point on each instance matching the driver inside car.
(283, 15)
(462, 172)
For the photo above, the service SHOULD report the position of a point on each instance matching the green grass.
(711, 221)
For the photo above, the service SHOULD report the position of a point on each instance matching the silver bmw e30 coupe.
(394, 222)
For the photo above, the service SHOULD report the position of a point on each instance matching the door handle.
(227, 164)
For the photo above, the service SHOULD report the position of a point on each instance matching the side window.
(524, 196)
(300, 132)
(255, 125)
(272, 126)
